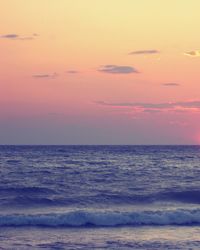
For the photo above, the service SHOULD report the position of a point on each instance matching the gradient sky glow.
(99, 72)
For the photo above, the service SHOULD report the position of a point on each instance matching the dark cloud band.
(156, 107)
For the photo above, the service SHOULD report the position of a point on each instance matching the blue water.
(99, 197)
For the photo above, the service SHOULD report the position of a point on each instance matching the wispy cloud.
(178, 123)
(18, 37)
(145, 52)
(156, 107)
(171, 84)
(72, 71)
(9, 36)
(115, 69)
(47, 76)
(193, 53)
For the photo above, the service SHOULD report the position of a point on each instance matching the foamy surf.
(107, 218)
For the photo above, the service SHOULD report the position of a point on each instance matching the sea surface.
(100, 197)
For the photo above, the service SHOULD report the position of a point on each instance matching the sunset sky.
(99, 72)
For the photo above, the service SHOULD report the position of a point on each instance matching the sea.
(99, 197)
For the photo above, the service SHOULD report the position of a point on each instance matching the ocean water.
(100, 197)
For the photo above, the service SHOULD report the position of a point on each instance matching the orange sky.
(99, 72)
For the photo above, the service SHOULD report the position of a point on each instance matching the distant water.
(100, 197)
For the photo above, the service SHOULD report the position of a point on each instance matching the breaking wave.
(106, 218)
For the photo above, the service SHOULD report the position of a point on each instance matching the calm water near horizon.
(100, 197)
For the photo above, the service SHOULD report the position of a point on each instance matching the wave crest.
(106, 218)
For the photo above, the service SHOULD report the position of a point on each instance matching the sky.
(99, 72)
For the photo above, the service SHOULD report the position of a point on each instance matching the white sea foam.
(98, 219)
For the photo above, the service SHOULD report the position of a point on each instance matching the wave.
(41, 196)
(26, 190)
(186, 196)
(105, 219)
(180, 196)
(183, 196)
